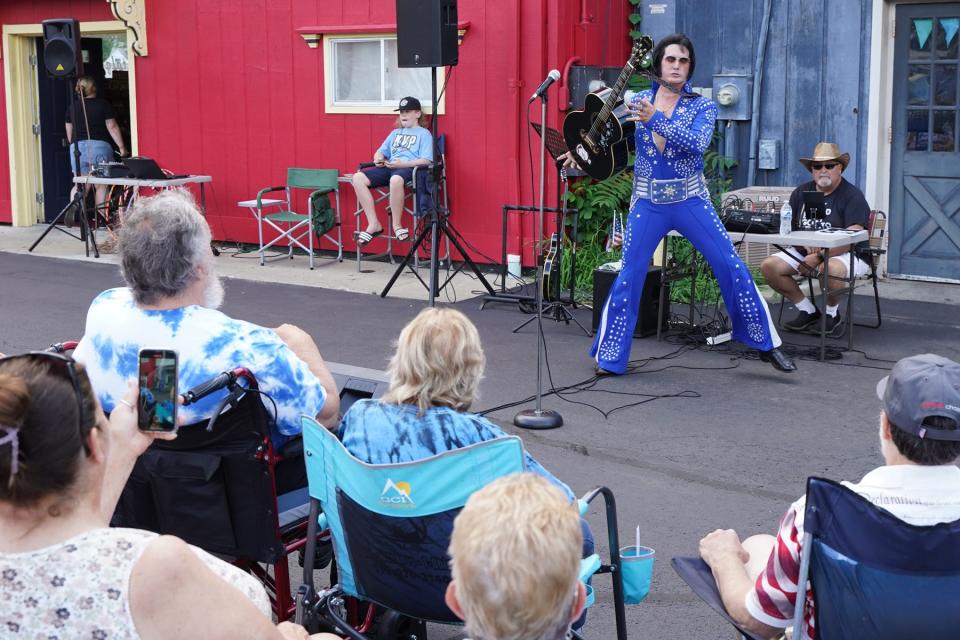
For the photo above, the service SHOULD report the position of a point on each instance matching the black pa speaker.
(649, 303)
(61, 48)
(427, 33)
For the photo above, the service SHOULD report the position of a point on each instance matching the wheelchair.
(391, 526)
(215, 487)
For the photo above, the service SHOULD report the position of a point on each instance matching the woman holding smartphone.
(63, 571)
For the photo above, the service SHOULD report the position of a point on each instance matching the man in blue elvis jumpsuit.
(670, 193)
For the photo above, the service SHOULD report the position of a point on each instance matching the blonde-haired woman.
(96, 125)
(434, 376)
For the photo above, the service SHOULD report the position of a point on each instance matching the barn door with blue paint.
(925, 159)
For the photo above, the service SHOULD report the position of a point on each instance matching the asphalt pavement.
(696, 438)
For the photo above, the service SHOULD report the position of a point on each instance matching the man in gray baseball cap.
(920, 388)
(918, 483)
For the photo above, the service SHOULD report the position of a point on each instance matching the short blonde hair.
(438, 361)
(515, 558)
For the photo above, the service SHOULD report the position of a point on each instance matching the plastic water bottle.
(786, 219)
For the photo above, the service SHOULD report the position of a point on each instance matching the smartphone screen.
(157, 403)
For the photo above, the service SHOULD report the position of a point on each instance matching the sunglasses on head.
(62, 367)
(816, 166)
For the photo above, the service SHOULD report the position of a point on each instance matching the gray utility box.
(733, 93)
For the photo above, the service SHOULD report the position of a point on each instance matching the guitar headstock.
(641, 47)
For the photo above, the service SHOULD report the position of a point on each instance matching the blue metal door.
(925, 160)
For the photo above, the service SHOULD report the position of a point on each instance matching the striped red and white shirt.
(916, 494)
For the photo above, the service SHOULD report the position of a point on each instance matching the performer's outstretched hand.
(641, 110)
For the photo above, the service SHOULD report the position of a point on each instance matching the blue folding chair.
(872, 575)
(390, 526)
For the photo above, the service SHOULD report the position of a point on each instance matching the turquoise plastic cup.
(636, 565)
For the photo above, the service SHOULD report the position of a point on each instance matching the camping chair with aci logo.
(391, 526)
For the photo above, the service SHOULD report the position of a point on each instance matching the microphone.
(552, 77)
(213, 384)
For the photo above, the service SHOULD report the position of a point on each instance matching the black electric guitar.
(598, 135)
(550, 282)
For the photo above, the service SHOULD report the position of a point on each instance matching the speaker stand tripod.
(78, 201)
(439, 225)
(86, 233)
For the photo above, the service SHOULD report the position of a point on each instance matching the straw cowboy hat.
(827, 152)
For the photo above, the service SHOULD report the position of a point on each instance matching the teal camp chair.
(391, 525)
(290, 225)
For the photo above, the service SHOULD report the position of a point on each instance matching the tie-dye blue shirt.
(382, 433)
(207, 343)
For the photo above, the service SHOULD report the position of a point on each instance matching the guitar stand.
(558, 310)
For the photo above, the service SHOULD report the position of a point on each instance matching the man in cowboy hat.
(845, 208)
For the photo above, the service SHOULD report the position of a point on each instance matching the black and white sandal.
(363, 237)
(401, 233)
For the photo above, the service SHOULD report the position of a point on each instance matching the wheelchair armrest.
(366, 165)
(261, 193)
(63, 347)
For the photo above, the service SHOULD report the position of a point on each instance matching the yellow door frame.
(23, 147)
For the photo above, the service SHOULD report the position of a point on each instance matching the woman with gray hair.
(434, 376)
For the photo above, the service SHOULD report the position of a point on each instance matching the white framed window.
(362, 75)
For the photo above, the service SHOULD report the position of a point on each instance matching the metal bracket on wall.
(133, 13)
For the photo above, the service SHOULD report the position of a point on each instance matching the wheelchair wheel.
(394, 626)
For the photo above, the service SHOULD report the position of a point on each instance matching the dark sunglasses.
(816, 166)
(64, 368)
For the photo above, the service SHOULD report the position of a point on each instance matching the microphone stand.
(540, 418)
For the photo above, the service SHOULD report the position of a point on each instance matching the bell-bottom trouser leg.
(694, 218)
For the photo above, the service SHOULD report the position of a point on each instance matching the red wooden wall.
(230, 89)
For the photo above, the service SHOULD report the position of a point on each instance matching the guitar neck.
(615, 92)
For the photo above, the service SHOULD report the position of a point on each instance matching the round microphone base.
(538, 419)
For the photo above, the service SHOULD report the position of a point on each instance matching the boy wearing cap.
(409, 145)
(845, 208)
(919, 483)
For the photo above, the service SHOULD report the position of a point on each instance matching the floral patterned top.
(80, 587)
